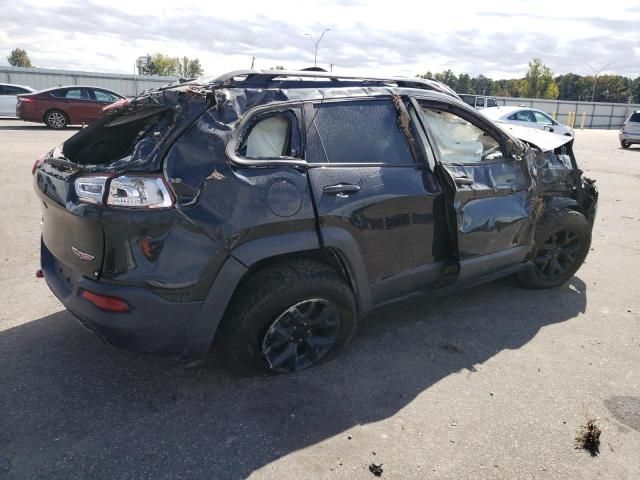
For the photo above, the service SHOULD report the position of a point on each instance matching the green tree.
(448, 78)
(428, 76)
(464, 84)
(539, 81)
(189, 68)
(482, 85)
(635, 90)
(167, 66)
(161, 65)
(277, 67)
(613, 88)
(19, 58)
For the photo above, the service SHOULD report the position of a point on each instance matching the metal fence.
(577, 114)
(41, 78)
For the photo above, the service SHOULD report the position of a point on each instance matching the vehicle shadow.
(71, 407)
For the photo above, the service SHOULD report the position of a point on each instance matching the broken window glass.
(358, 132)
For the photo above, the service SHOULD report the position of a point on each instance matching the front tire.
(625, 144)
(56, 119)
(286, 318)
(562, 241)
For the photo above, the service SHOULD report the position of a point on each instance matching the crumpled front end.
(559, 180)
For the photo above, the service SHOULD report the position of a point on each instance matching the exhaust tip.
(39, 274)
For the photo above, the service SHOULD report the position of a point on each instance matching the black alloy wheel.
(558, 254)
(301, 335)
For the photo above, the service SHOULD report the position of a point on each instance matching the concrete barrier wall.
(596, 114)
(41, 78)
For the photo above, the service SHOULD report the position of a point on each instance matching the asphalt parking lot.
(493, 383)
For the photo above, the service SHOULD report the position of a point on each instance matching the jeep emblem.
(82, 255)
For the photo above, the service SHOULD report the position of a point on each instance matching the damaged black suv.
(272, 209)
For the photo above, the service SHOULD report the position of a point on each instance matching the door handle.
(341, 189)
(461, 181)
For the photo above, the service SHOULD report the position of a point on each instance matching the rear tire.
(625, 144)
(287, 317)
(562, 241)
(56, 119)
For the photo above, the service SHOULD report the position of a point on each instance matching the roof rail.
(256, 78)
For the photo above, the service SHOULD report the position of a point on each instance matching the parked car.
(9, 99)
(272, 209)
(527, 117)
(630, 131)
(478, 101)
(62, 106)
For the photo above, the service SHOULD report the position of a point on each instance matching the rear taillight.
(139, 191)
(91, 189)
(25, 100)
(35, 166)
(105, 302)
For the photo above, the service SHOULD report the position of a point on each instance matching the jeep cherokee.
(273, 209)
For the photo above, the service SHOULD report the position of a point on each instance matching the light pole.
(595, 76)
(316, 44)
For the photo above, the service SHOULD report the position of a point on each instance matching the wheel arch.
(339, 251)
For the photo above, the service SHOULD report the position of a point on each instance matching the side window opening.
(541, 118)
(358, 131)
(459, 141)
(77, 94)
(272, 136)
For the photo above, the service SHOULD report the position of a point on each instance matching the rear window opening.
(118, 135)
(635, 117)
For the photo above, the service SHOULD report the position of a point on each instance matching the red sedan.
(62, 106)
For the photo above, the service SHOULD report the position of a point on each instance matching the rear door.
(493, 198)
(373, 190)
(79, 106)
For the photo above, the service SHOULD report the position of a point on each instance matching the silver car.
(630, 131)
(527, 117)
(8, 98)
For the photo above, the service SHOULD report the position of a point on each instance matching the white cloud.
(495, 38)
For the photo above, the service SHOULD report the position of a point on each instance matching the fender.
(206, 323)
(235, 267)
(337, 239)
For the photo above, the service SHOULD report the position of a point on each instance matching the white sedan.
(8, 98)
(527, 117)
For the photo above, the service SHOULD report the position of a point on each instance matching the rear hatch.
(632, 125)
(71, 231)
(132, 137)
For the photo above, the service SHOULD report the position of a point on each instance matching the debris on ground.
(450, 347)
(376, 469)
(588, 437)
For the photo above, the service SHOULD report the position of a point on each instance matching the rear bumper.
(153, 325)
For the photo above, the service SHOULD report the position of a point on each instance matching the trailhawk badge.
(82, 255)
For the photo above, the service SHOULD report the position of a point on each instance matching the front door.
(493, 198)
(372, 188)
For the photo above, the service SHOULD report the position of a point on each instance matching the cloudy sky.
(492, 37)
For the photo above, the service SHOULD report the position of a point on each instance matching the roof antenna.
(253, 59)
